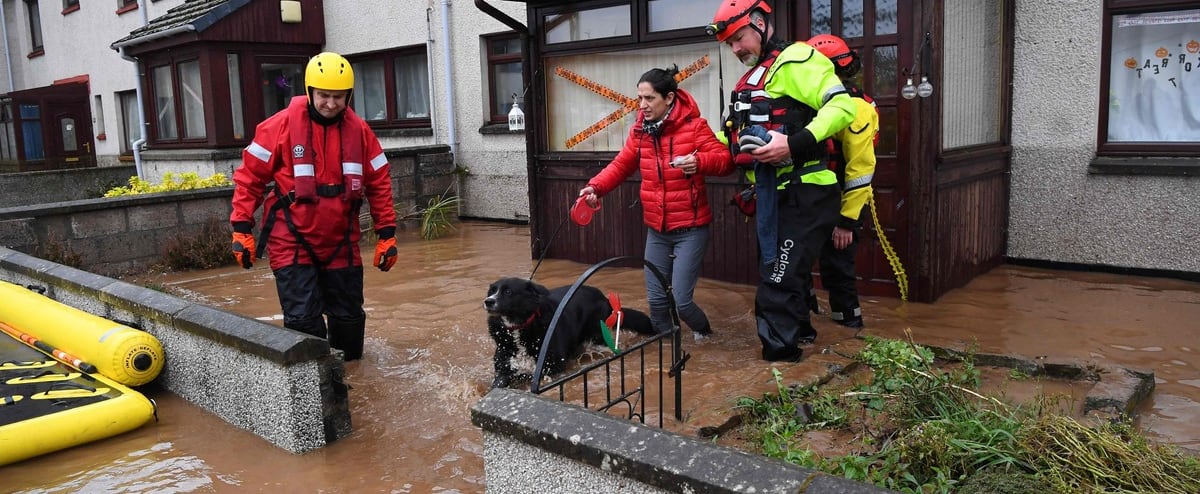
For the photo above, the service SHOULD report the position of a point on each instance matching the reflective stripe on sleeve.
(378, 161)
(351, 168)
(259, 152)
(833, 91)
(859, 182)
(300, 170)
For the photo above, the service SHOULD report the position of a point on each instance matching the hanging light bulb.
(925, 88)
(909, 91)
(516, 117)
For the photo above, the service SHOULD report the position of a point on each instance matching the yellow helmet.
(328, 71)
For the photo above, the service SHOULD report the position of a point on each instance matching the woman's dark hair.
(662, 80)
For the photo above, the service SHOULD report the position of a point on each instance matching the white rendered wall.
(78, 44)
(496, 186)
(1058, 211)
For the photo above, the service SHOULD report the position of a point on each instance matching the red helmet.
(833, 47)
(733, 15)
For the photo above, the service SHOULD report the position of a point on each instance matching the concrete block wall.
(26, 188)
(279, 384)
(112, 235)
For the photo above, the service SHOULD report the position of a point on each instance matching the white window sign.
(1154, 82)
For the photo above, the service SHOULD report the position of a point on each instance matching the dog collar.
(527, 322)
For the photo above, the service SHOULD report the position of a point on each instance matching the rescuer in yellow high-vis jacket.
(853, 160)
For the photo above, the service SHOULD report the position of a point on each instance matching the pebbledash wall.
(281, 385)
(1061, 211)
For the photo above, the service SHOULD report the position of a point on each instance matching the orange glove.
(243, 249)
(385, 253)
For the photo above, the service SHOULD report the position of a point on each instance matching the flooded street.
(428, 359)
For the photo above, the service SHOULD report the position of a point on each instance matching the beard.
(748, 59)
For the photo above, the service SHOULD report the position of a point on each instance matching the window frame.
(388, 58)
(491, 61)
(1106, 151)
(176, 99)
(70, 6)
(37, 39)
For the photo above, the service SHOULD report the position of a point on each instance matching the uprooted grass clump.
(921, 429)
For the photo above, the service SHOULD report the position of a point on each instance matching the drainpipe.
(7, 55)
(137, 76)
(453, 133)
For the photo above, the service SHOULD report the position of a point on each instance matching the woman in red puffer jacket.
(675, 149)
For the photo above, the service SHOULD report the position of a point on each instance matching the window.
(182, 109)
(98, 116)
(503, 56)
(582, 119)
(35, 27)
(281, 81)
(973, 112)
(1150, 99)
(581, 25)
(666, 15)
(124, 6)
(8, 133)
(391, 89)
(235, 96)
(31, 132)
(129, 120)
(70, 6)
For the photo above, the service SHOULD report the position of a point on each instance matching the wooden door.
(70, 135)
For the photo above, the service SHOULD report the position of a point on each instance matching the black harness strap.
(283, 203)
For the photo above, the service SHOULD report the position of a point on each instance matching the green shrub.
(171, 182)
(206, 250)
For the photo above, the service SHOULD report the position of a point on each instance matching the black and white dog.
(520, 310)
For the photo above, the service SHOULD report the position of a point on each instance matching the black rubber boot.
(314, 327)
(347, 335)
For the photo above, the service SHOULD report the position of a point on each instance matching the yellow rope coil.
(892, 257)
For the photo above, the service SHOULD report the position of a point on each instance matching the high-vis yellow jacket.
(805, 75)
(854, 157)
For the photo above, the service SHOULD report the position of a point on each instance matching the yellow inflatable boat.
(51, 399)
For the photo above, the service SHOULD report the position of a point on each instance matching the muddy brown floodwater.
(428, 359)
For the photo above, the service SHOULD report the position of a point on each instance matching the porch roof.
(191, 15)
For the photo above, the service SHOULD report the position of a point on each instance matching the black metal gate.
(625, 378)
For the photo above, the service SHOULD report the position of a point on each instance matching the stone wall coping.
(102, 203)
(652, 456)
(270, 342)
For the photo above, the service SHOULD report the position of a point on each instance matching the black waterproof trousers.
(807, 215)
(308, 295)
(837, 276)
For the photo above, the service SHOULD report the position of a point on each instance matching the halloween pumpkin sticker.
(1130, 63)
(1161, 52)
(1193, 46)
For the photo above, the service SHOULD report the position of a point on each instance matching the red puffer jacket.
(670, 200)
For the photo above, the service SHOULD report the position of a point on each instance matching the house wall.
(1059, 212)
(77, 44)
(496, 186)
